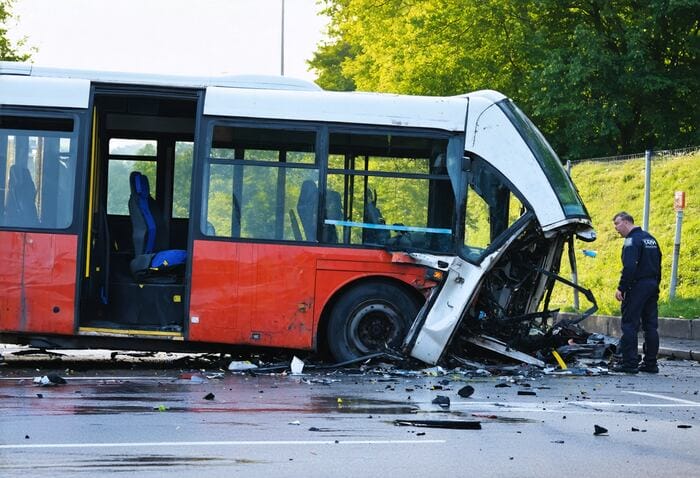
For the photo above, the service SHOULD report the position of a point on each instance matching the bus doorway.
(138, 189)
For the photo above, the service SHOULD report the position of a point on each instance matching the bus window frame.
(78, 134)
(504, 235)
(209, 123)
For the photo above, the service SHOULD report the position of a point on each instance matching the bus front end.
(520, 211)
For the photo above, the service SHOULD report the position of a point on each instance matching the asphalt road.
(156, 422)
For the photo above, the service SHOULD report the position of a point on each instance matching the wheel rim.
(373, 325)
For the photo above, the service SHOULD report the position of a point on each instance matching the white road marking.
(665, 397)
(220, 443)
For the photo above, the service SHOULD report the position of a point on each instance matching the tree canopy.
(8, 50)
(599, 77)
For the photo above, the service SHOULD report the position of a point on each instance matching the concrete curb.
(687, 329)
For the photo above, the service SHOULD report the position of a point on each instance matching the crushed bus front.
(520, 212)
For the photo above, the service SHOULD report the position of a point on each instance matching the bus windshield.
(548, 159)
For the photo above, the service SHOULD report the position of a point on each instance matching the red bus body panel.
(37, 282)
(273, 295)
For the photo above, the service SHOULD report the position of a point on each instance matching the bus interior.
(139, 185)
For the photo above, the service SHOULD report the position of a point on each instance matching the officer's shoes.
(649, 368)
(622, 368)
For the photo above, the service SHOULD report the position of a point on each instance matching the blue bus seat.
(152, 258)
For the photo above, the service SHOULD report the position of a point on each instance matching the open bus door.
(134, 280)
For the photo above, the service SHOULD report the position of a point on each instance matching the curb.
(683, 335)
(687, 329)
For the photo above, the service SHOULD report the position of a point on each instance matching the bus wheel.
(369, 318)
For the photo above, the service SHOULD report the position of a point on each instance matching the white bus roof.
(240, 96)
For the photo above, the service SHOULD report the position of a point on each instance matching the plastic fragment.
(241, 365)
(598, 430)
(297, 366)
(209, 396)
(466, 391)
(526, 392)
(442, 400)
(685, 426)
(295, 422)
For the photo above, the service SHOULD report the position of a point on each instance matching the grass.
(609, 187)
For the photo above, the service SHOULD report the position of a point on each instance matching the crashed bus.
(182, 213)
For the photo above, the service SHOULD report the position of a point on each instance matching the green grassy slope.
(607, 188)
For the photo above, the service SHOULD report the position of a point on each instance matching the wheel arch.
(322, 328)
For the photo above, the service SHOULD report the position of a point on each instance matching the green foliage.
(607, 188)
(599, 77)
(9, 51)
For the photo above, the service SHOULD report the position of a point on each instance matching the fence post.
(679, 205)
(647, 188)
(572, 253)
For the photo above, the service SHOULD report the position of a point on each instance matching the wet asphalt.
(162, 421)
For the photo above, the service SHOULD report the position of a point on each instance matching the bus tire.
(369, 318)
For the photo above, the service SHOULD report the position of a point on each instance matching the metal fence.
(657, 154)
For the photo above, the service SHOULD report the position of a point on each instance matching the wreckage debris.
(685, 426)
(527, 392)
(209, 396)
(466, 391)
(241, 366)
(442, 400)
(50, 380)
(598, 430)
(451, 424)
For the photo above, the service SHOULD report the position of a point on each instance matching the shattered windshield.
(491, 209)
(548, 159)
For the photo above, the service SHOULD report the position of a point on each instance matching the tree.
(8, 51)
(598, 77)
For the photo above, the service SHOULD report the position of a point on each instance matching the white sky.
(188, 37)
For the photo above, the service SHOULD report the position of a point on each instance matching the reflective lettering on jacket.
(641, 259)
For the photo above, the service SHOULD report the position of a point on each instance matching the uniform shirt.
(641, 259)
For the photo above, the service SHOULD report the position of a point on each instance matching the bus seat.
(20, 208)
(151, 256)
(334, 211)
(307, 208)
(372, 215)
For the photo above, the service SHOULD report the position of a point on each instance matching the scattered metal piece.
(495, 345)
(527, 392)
(451, 424)
(209, 396)
(598, 430)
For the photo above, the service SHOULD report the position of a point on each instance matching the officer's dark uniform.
(639, 282)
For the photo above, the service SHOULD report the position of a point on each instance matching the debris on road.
(451, 424)
(442, 400)
(209, 396)
(527, 392)
(598, 430)
(241, 366)
(685, 426)
(50, 380)
(466, 391)
(297, 366)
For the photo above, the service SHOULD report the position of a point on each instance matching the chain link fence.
(657, 154)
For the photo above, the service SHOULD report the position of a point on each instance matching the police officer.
(639, 293)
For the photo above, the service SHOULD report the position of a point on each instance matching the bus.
(167, 213)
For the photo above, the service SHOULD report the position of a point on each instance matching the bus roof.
(244, 96)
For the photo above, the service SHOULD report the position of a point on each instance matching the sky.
(186, 37)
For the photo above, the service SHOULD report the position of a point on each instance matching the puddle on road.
(363, 405)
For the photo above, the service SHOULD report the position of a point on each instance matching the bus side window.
(262, 184)
(37, 167)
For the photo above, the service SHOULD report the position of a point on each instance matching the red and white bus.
(176, 213)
